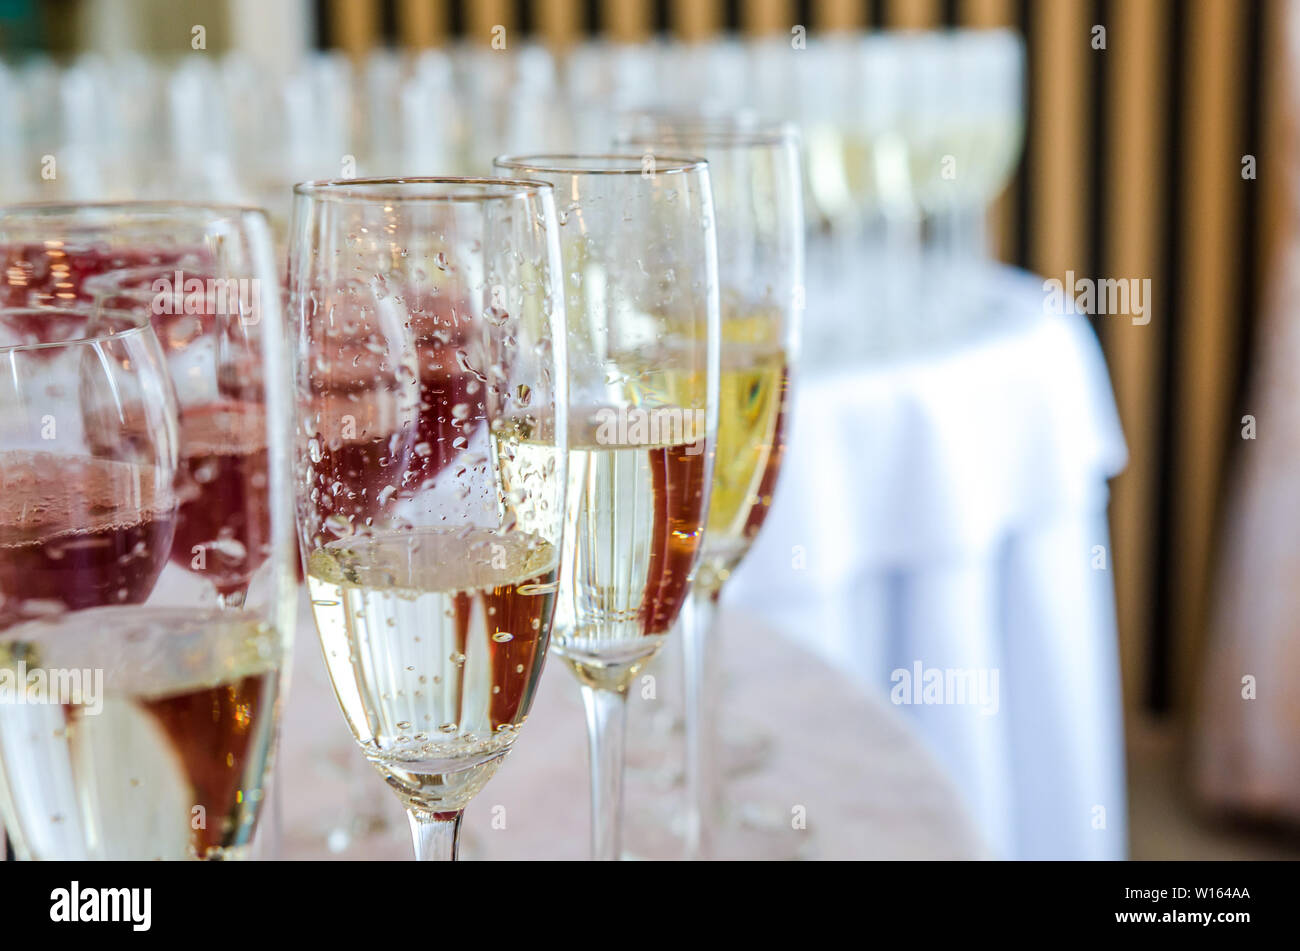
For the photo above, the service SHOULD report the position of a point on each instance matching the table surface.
(799, 740)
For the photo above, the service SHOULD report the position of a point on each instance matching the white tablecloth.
(943, 504)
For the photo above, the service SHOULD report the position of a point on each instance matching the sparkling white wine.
(633, 522)
(751, 414)
(753, 391)
(434, 641)
(162, 749)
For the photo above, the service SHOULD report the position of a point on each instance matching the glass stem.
(606, 730)
(903, 254)
(697, 633)
(436, 835)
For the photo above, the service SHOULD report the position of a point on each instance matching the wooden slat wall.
(913, 14)
(355, 26)
(1210, 278)
(987, 14)
(1277, 140)
(1058, 136)
(765, 17)
(1137, 106)
(832, 15)
(483, 16)
(1132, 170)
(695, 20)
(627, 21)
(422, 23)
(559, 23)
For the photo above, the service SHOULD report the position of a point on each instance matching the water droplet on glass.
(228, 548)
(339, 525)
(462, 358)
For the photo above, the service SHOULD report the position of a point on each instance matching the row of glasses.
(755, 174)
(901, 176)
(471, 470)
(145, 532)
(638, 240)
(506, 415)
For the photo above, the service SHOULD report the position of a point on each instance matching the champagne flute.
(172, 758)
(431, 468)
(639, 256)
(756, 186)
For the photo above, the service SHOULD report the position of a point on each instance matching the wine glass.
(756, 187)
(639, 253)
(222, 521)
(89, 427)
(171, 758)
(431, 460)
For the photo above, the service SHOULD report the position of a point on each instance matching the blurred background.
(1143, 140)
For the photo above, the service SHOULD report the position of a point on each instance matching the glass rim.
(391, 191)
(702, 112)
(570, 163)
(110, 283)
(709, 133)
(159, 207)
(134, 324)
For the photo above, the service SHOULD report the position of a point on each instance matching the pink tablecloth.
(865, 785)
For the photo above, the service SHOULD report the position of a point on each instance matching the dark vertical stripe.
(662, 23)
(388, 22)
(322, 12)
(1252, 270)
(456, 16)
(1099, 69)
(1159, 670)
(524, 21)
(595, 20)
(876, 14)
(949, 15)
(731, 16)
(1024, 193)
(803, 13)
